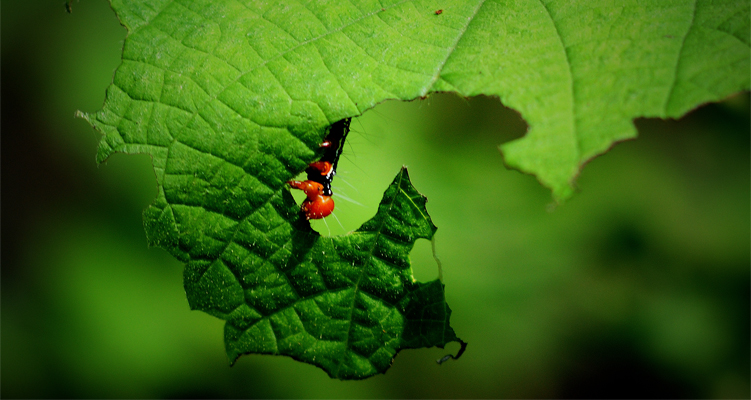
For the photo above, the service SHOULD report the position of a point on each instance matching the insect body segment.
(317, 188)
(316, 205)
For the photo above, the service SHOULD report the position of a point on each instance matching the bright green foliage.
(231, 99)
(578, 72)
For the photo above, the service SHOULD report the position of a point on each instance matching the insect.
(317, 188)
(438, 12)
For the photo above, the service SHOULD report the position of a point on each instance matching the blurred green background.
(637, 287)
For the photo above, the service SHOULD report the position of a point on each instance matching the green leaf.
(347, 304)
(231, 99)
(241, 73)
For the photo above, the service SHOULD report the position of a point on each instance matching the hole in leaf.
(424, 267)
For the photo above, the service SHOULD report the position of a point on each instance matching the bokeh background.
(636, 287)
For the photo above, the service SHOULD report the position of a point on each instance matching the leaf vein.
(572, 87)
(451, 49)
(669, 97)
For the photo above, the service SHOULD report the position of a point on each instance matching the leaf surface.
(578, 73)
(231, 99)
(347, 304)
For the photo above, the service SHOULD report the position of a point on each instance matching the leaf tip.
(561, 184)
(82, 115)
(447, 357)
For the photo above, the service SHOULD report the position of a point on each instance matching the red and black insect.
(317, 187)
